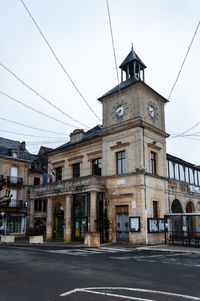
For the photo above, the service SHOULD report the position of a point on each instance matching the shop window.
(153, 163)
(76, 170)
(36, 181)
(14, 224)
(121, 163)
(155, 209)
(58, 174)
(96, 167)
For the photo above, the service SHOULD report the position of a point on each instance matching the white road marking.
(94, 291)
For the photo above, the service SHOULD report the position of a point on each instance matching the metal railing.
(16, 204)
(15, 180)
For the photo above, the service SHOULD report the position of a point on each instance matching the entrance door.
(80, 216)
(59, 222)
(80, 227)
(122, 230)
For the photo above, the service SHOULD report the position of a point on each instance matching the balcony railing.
(78, 185)
(16, 204)
(15, 180)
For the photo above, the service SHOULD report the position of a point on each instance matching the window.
(171, 170)
(13, 193)
(155, 209)
(58, 174)
(76, 170)
(121, 163)
(40, 206)
(36, 181)
(96, 167)
(153, 163)
(14, 155)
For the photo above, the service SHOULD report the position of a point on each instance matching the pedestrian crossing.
(89, 251)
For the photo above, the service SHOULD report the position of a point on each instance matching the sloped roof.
(93, 133)
(132, 56)
(6, 145)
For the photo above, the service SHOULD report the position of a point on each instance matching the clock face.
(152, 111)
(120, 111)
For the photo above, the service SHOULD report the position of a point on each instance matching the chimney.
(23, 145)
(76, 135)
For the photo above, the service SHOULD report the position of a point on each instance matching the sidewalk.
(159, 248)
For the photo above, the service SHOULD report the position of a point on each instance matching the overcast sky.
(78, 31)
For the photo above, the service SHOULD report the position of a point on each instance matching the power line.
(41, 96)
(57, 59)
(113, 45)
(46, 142)
(184, 61)
(39, 112)
(31, 127)
(17, 133)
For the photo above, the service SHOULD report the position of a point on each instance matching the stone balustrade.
(78, 185)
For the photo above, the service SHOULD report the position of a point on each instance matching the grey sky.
(79, 33)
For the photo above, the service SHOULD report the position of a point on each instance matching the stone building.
(18, 169)
(113, 179)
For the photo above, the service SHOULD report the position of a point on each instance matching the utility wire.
(41, 96)
(31, 127)
(57, 59)
(184, 61)
(39, 112)
(113, 44)
(46, 142)
(17, 133)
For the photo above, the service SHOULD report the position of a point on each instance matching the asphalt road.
(46, 273)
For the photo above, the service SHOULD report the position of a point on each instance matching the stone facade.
(114, 178)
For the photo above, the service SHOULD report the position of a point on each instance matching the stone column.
(68, 219)
(32, 211)
(49, 223)
(93, 214)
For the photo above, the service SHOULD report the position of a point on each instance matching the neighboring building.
(18, 169)
(113, 179)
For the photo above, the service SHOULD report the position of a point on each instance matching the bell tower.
(132, 66)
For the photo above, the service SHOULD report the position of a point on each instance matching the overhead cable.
(41, 96)
(184, 61)
(113, 45)
(37, 111)
(57, 59)
(17, 133)
(31, 127)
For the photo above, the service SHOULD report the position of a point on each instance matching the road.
(62, 274)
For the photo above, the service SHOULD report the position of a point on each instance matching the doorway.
(122, 231)
(80, 216)
(59, 221)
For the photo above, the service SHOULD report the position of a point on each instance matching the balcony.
(78, 185)
(15, 181)
(16, 204)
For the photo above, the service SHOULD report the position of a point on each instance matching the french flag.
(51, 176)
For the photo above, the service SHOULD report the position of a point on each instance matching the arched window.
(189, 207)
(176, 207)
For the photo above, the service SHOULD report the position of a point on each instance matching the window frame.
(75, 170)
(96, 168)
(153, 163)
(121, 162)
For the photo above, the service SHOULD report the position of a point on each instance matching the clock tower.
(134, 153)
(133, 99)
